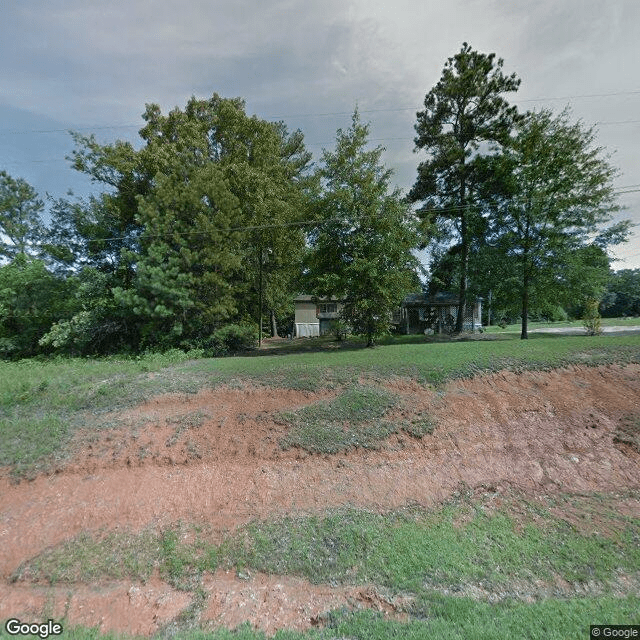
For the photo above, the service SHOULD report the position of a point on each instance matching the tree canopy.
(184, 219)
(552, 214)
(465, 117)
(361, 250)
(21, 226)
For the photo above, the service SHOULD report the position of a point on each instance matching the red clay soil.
(214, 458)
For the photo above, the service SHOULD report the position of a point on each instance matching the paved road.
(578, 331)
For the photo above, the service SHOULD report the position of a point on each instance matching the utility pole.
(260, 304)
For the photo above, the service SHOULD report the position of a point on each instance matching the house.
(421, 313)
(314, 318)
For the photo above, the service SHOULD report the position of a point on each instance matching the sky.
(92, 67)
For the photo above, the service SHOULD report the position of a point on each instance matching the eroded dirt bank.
(214, 458)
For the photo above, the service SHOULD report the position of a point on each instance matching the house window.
(327, 307)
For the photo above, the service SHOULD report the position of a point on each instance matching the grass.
(515, 555)
(42, 403)
(352, 419)
(445, 618)
(570, 324)
(355, 418)
(420, 551)
(411, 550)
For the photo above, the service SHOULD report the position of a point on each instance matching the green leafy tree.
(222, 212)
(591, 317)
(622, 297)
(21, 227)
(361, 250)
(557, 202)
(99, 324)
(31, 300)
(184, 218)
(465, 117)
(183, 287)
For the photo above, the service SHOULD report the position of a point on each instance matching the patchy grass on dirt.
(628, 432)
(481, 566)
(512, 550)
(352, 419)
(42, 403)
(437, 616)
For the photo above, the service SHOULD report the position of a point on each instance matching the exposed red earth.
(213, 458)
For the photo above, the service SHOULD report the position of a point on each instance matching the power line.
(617, 122)
(589, 95)
(333, 113)
(308, 144)
(299, 223)
(348, 113)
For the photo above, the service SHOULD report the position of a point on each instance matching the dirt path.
(214, 458)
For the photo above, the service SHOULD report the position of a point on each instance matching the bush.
(340, 329)
(231, 339)
(591, 318)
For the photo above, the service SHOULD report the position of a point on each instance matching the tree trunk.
(464, 268)
(462, 299)
(525, 297)
(274, 325)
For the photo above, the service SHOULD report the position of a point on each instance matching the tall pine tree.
(465, 109)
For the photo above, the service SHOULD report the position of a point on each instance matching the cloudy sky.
(92, 66)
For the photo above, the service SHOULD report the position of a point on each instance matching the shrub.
(591, 318)
(231, 339)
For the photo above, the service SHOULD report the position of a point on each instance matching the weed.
(89, 557)
(418, 427)
(191, 420)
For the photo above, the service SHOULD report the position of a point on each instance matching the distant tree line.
(219, 219)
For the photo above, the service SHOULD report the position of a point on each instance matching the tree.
(623, 294)
(361, 250)
(226, 193)
(21, 228)
(186, 217)
(558, 194)
(31, 300)
(465, 115)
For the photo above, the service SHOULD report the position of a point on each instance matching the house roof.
(419, 299)
(307, 298)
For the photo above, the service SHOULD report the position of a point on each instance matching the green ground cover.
(425, 556)
(630, 322)
(43, 402)
(431, 556)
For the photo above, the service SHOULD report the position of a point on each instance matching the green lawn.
(571, 324)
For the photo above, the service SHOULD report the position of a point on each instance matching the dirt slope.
(214, 458)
